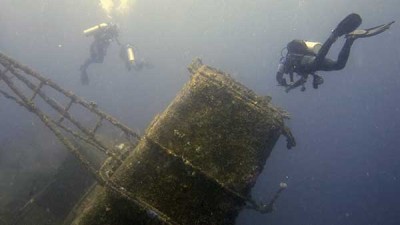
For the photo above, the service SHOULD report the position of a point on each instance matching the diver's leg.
(344, 54)
(83, 69)
(86, 64)
(348, 24)
(324, 50)
(329, 65)
(84, 78)
(97, 52)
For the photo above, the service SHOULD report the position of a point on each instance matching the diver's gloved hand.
(288, 88)
(282, 82)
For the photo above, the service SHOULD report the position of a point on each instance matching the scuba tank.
(127, 55)
(92, 30)
(130, 54)
(303, 47)
(313, 46)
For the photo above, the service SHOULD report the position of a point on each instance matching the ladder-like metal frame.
(13, 74)
(11, 70)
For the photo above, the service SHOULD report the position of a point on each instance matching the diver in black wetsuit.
(103, 35)
(305, 58)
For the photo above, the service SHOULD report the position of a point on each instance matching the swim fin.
(347, 25)
(369, 32)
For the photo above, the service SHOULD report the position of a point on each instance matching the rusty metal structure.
(14, 74)
(196, 163)
(27, 88)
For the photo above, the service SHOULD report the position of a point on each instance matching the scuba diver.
(306, 58)
(127, 55)
(103, 35)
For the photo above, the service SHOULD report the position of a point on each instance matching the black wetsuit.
(305, 61)
(321, 63)
(98, 50)
(309, 64)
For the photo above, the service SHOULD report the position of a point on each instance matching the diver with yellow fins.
(306, 58)
(103, 35)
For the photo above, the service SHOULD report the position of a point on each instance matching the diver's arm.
(298, 83)
(279, 74)
(280, 79)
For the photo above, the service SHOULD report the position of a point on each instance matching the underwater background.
(345, 168)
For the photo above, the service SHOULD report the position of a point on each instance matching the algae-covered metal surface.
(198, 159)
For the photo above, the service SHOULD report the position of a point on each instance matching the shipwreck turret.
(198, 159)
(196, 163)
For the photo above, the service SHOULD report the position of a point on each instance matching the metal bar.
(6, 95)
(66, 110)
(60, 109)
(55, 105)
(27, 207)
(109, 184)
(45, 119)
(112, 186)
(97, 126)
(36, 90)
(250, 101)
(69, 94)
(87, 140)
(68, 130)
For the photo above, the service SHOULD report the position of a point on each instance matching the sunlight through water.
(112, 8)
